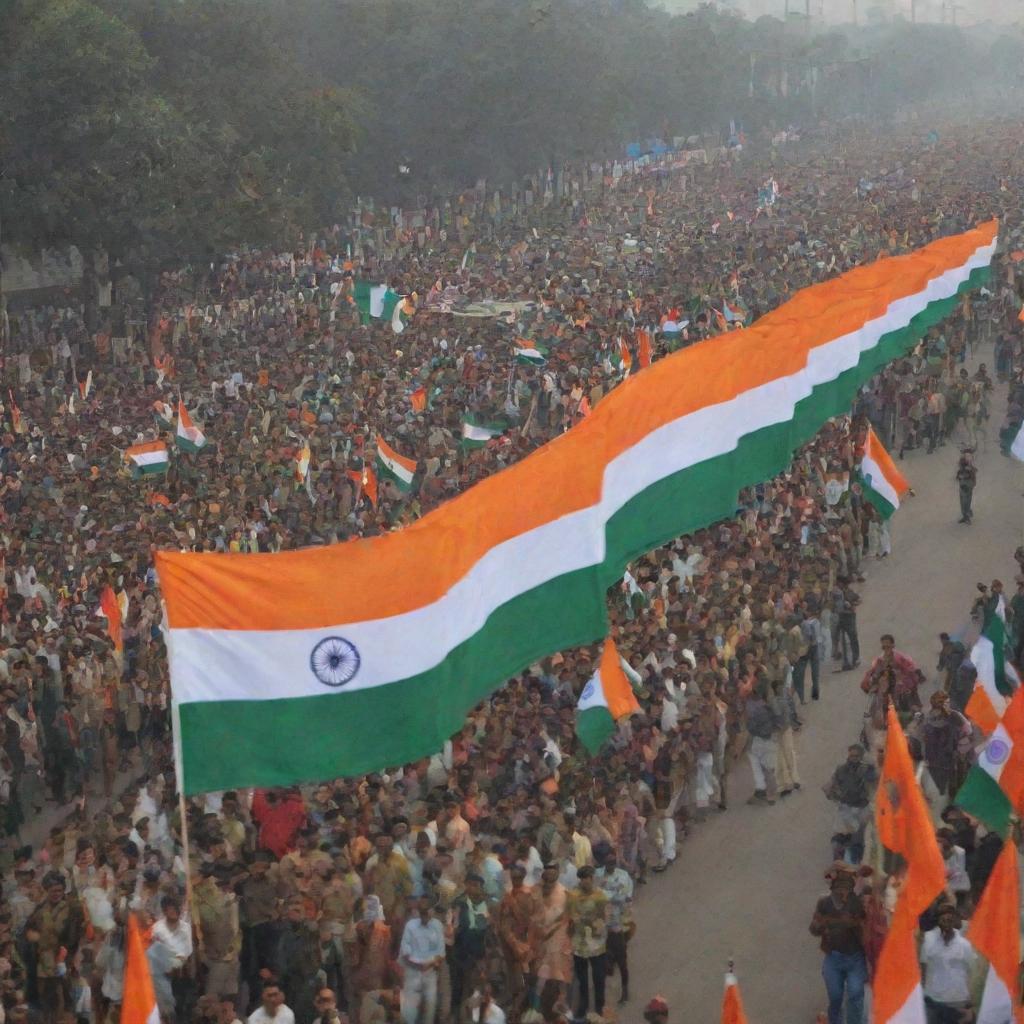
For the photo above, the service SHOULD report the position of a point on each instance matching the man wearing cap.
(472, 924)
(56, 928)
(839, 922)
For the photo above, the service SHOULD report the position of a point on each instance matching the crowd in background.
(495, 879)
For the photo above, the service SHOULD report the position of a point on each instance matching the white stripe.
(153, 1017)
(1017, 448)
(593, 694)
(995, 1005)
(397, 468)
(1004, 747)
(377, 293)
(879, 481)
(471, 432)
(912, 1011)
(529, 353)
(149, 458)
(983, 658)
(206, 662)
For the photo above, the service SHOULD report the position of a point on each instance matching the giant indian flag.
(383, 643)
(884, 485)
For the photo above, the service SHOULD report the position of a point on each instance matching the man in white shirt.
(947, 958)
(272, 1009)
(175, 932)
(421, 954)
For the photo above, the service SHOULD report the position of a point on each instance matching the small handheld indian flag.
(418, 399)
(529, 354)
(994, 787)
(302, 464)
(138, 1005)
(884, 485)
(188, 436)
(625, 357)
(394, 467)
(732, 1003)
(163, 414)
(605, 699)
(402, 313)
(997, 678)
(371, 300)
(477, 432)
(148, 458)
(643, 347)
(673, 326)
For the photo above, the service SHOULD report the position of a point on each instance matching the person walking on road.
(966, 481)
(839, 922)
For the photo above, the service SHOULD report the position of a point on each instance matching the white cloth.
(947, 966)
(421, 942)
(178, 940)
(419, 989)
(284, 1015)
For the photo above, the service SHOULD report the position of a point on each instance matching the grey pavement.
(745, 882)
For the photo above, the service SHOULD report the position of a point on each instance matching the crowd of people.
(496, 879)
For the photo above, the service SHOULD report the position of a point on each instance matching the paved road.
(745, 882)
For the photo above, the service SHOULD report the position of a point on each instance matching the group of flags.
(151, 457)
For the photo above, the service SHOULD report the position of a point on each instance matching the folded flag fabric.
(394, 467)
(402, 313)
(904, 827)
(884, 485)
(85, 386)
(672, 327)
(476, 432)
(624, 357)
(997, 678)
(643, 348)
(163, 414)
(733, 314)
(302, 460)
(188, 436)
(365, 480)
(994, 787)
(375, 301)
(138, 1003)
(111, 609)
(418, 399)
(605, 699)
(732, 1004)
(148, 458)
(385, 642)
(530, 355)
(1017, 445)
(994, 932)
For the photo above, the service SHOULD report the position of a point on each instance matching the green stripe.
(269, 743)
(705, 493)
(883, 507)
(593, 727)
(306, 739)
(187, 446)
(152, 469)
(982, 797)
